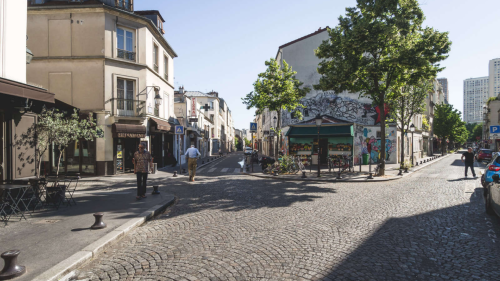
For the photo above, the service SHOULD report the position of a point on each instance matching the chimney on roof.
(319, 28)
(181, 90)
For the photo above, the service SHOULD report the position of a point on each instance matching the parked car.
(484, 154)
(492, 197)
(492, 168)
(248, 150)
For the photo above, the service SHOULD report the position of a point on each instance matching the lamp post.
(319, 120)
(412, 129)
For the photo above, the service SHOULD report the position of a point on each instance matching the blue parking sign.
(495, 129)
(253, 127)
(179, 130)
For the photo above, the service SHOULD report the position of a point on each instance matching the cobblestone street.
(430, 225)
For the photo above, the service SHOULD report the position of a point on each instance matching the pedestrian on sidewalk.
(192, 153)
(469, 161)
(143, 163)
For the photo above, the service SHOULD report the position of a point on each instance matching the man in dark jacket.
(469, 161)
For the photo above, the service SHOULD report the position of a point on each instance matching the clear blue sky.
(222, 44)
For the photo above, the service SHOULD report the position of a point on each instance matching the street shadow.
(449, 243)
(233, 194)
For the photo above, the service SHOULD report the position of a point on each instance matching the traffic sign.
(494, 129)
(495, 136)
(179, 130)
(253, 127)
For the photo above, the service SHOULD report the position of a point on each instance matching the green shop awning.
(324, 131)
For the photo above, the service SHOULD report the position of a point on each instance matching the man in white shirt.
(192, 153)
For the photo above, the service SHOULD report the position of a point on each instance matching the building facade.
(476, 93)
(444, 84)
(107, 59)
(494, 77)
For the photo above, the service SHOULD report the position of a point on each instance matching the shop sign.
(193, 107)
(266, 132)
(119, 154)
(193, 120)
(131, 135)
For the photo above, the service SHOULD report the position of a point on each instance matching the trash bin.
(366, 158)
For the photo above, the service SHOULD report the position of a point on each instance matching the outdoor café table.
(12, 197)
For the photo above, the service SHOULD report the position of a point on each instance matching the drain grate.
(47, 221)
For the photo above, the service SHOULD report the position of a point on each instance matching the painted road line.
(225, 170)
(212, 170)
(237, 170)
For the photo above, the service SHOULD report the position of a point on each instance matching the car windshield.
(485, 151)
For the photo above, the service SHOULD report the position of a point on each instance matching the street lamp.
(412, 129)
(319, 120)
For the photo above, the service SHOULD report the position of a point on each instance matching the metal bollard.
(11, 269)
(303, 175)
(98, 224)
(406, 170)
(416, 163)
(155, 190)
(183, 171)
(338, 176)
(175, 174)
(370, 177)
(276, 173)
(400, 172)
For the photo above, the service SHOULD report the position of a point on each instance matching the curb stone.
(66, 268)
(353, 180)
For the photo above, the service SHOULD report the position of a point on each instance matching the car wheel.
(483, 182)
(488, 204)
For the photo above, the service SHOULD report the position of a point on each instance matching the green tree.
(276, 89)
(448, 124)
(248, 143)
(470, 129)
(477, 132)
(406, 102)
(379, 46)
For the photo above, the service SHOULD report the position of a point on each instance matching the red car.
(484, 154)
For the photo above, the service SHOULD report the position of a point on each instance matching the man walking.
(143, 163)
(469, 161)
(193, 154)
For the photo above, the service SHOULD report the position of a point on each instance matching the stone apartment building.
(112, 61)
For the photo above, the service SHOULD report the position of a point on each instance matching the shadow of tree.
(436, 245)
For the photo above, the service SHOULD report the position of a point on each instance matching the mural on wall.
(366, 142)
(338, 106)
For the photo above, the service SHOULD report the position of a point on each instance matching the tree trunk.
(59, 161)
(402, 146)
(382, 132)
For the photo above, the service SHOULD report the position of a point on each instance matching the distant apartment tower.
(494, 75)
(476, 94)
(444, 84)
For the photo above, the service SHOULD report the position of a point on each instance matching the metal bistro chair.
(71, 185)
(55, 191)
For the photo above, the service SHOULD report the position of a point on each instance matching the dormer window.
(124, 4)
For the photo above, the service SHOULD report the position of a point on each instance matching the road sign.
(478, 138)
(495, 129)
(179, 130)
(253, 127)
(495, 136)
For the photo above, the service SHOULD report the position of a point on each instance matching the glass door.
(88, 157)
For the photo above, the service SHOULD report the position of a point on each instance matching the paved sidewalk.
(391, 172)
(52, 242)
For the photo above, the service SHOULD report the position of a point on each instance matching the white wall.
(13, 16)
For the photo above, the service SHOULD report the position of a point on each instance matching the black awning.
(128, 131)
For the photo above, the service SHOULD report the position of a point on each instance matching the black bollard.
(400, 172)
(303, 175)
(155, 190)
(370, 177)
(99, 224)
(406, 170)
(202, 162)
(416, 163)
(275, 173)
(183, 171)
(175, 174)
(338, 176)
(11, 269)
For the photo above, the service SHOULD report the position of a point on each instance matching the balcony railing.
(128, 108)
(126, 54)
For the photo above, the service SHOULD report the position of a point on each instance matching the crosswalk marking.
(237, 170)
(212, 170)
(225, 170)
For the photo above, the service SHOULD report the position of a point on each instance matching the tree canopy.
(448, 125)
(378, 46)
